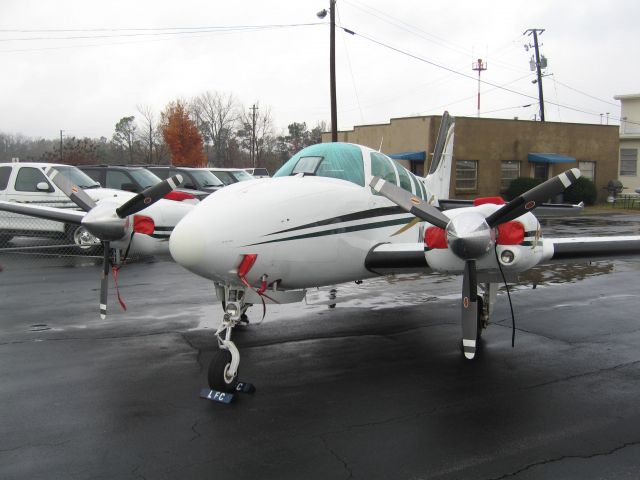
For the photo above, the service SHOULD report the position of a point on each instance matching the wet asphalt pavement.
(375, 388)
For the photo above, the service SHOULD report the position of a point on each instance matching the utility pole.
(253, 148)
(534, 32)
(61, 157)
(332, 70)
(479, 66)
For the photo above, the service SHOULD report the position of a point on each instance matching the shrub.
(583, 190)
(520, 185)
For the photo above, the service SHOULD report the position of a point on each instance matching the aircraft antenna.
(380, 147)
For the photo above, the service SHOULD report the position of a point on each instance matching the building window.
(588, 170)
(466, 175)
(509, 170)
(629, 161)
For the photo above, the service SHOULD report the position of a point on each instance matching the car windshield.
(144, 177)
(204, 178)
(77, 176)
(225, 177)
(241, 175)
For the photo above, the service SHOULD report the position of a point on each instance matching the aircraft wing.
(386, 258)
(49, 213)
(592, 248)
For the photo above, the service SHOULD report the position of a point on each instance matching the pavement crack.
(336, 456)
(198, 350)
(197, 433)
(135, 474)
(584, 374)
(34, 445)
(567, 457)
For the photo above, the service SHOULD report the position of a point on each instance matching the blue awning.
(550, 158)
(417, 156)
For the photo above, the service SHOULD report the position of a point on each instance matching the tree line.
(212, 129)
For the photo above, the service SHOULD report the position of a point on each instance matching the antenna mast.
(479, 66)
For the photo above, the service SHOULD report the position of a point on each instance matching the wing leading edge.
(49, 213)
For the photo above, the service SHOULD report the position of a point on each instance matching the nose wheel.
(220, 376)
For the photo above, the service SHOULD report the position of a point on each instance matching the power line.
(443, 67)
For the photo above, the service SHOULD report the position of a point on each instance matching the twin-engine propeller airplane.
(338, 212)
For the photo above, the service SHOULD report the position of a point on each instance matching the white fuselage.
(306, 231)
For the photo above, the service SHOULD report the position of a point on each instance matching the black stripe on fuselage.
(374, 212)
(336, 231)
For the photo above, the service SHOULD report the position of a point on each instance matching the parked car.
(231, 175)
(197, 178)
(258, 172)
(135, 179)
(27, 183)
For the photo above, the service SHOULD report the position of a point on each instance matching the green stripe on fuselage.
(336, 231)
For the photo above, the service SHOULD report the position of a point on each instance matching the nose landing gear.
(223, 369)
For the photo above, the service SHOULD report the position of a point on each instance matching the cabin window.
(416, 187)
(509, 170)
(405, 180)
(334, 160)
(628, 162)
(466, 174)
(382, 167)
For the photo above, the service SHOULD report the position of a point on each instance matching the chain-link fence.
(27, 242)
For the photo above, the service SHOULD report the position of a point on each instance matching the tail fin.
(438, 179)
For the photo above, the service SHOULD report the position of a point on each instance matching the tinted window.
(4, 177)
(121, 181)
(339, 160)
(241, 175)
(162, 173)
(204, 178)
(405, 181)
(93, 174)
(381, 167)
(144, 177)
(77, 176)
(224, 177)
(28, 178)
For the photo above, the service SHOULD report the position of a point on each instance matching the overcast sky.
(402, 60)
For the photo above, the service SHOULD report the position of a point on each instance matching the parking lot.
(375, 388)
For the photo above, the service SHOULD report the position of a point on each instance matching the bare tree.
(124, 135)
(218, 115)
(147, 133)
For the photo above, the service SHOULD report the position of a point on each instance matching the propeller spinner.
(107, 221)
(470, 236)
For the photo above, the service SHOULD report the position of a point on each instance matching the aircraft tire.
(216, 375)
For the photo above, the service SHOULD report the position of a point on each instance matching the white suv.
(27, 183)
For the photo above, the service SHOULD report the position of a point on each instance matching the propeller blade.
(409, 202)
(469, 309)
(148, 196)
(104, 282)
(533, 198)
(70, 189)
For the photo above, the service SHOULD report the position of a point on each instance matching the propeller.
(470, 236)
(107, 221)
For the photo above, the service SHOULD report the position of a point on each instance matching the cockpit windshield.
(333, 160)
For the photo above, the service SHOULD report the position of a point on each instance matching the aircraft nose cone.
(187, 244)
